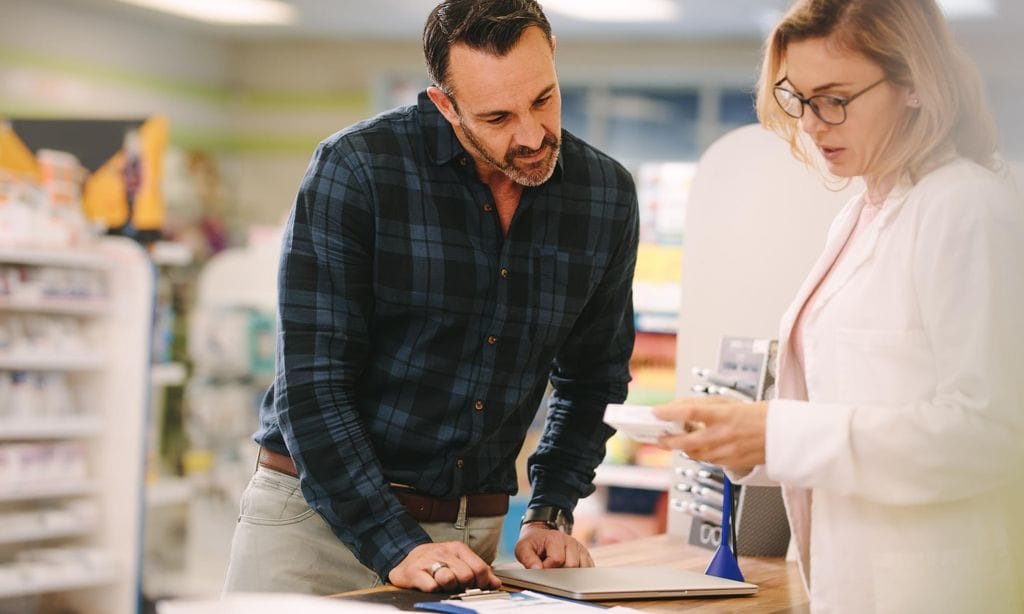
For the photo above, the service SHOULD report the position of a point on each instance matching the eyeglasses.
(829, 109)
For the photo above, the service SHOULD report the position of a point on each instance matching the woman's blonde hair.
(912, 43)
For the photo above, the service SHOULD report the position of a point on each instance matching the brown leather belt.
(421, 507)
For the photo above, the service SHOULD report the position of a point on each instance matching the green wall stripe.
(223, 142)
(97, 72)
(263, 100)
(354, 101)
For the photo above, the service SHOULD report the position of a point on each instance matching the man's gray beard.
(522, 177)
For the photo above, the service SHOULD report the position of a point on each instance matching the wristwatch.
(555, 517)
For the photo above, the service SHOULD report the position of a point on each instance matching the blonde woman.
(898, 431)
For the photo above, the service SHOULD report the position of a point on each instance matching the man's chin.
(535, 174)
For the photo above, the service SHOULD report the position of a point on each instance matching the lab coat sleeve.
(967, 438)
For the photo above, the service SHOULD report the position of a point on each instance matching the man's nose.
(530, 133)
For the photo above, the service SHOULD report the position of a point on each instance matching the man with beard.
(441, 264)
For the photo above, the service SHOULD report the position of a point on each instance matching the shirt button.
(488, 207)
(459, 463)
(479, 405)
(504, 273)
(491, 339)
(462, 161)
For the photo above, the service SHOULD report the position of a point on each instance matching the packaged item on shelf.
(27, 218)
(40, 201)
(57, 397)
(22, 394)
(8, 468)
(36, 396)
(24, 464)
(44, 335)
(67, 283)
(61, 174)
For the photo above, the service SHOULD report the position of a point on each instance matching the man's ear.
(444, 104)
(554, 44)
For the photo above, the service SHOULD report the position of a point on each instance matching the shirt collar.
(442, 144)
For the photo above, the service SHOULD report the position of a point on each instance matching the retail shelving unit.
(223, 390)
(70, 479)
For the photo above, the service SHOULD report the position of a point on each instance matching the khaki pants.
(282, 545)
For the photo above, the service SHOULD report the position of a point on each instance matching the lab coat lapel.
(861, 251)
(787, 386)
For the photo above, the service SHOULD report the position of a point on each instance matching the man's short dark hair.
(494, 26)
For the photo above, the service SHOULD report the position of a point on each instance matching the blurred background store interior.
(232, 105)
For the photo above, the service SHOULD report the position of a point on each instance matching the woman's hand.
(720, 431)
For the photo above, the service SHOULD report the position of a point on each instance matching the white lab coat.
(901, 460)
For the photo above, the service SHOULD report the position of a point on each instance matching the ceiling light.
(968, 8)
(615, 10)
(233, 12)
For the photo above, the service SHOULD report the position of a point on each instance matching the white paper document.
(529, 601)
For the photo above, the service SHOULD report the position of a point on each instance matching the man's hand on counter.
(447, 566)
(540, 546)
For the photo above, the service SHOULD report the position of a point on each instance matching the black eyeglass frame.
(841, 101)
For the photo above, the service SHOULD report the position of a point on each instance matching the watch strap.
(554, 517)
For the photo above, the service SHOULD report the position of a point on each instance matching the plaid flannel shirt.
(416, 341)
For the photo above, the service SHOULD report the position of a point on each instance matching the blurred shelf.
(36, 534)
(56, 584)
(170, 253)
(47, 490)
(71, 257)
(633, 476)
(168, 491)
(51, 362)
(107, 362)
(168, 374)
(61, 306)
(64, 427)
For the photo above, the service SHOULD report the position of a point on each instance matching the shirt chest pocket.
(563, 282)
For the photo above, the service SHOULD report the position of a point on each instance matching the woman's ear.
(913, 100)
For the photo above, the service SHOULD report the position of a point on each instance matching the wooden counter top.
(779, 587)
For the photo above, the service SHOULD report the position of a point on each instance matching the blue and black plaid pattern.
(415, 341)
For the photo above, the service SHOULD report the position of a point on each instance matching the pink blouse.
(868, 212)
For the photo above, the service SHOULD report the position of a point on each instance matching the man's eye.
(542, 101)
(495, 121)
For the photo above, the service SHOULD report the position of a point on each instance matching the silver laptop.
(609, 583)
